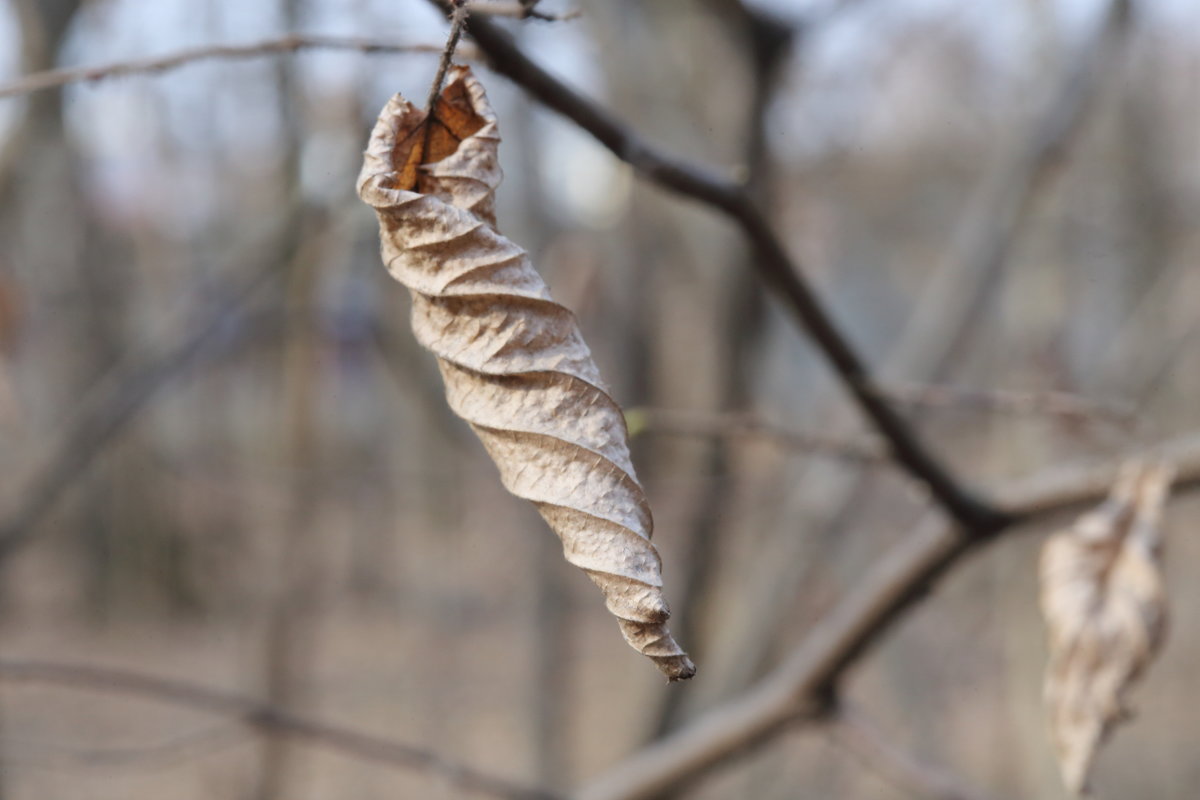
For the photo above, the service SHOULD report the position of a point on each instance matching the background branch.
(899, 579)
(50, 79)
(1065, 405)
(524, 9)
(734, 425)
(851, 730)
(952, 311)
(266, 719)
(948, 309)
(672, 422)
(168, 751)
(122, 395)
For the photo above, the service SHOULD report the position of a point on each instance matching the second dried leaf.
(1105, 608)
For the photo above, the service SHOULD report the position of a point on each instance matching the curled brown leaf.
(513, 361)
(1105, 609)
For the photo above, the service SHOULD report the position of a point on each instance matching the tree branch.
(1065, 405)
(521, 9)
(267, 719)
(867, 744)
(49, 79)
(173, 750)
(774, 265)
(734, 425)
(119, 399)
(663, 421)
(862, 739)
(950, 305)
(952, 309)
(897, 581)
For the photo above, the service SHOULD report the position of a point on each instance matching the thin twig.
(776, 267)
(673, 422)
(165, 753)
(1074, 407)
(900, 578)
(520, 10)
(953, 310)
(457, 19)
(50, 79)
(660, 421)
(267, 719)
(861, 738)
(120, 397)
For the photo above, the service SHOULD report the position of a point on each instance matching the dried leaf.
(1105, 609)
(513, 361)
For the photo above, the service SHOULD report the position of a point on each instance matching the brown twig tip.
(458, 18)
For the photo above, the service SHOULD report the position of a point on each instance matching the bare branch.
(951, 310)
(457, 20)
(862, 739)
(1073, 407)
(661, 421)
(950, 305)
(267, 719)
(520, 10)
(896, 582)
(776, 268)
(176, 749)
(118, 400)
(50, 79)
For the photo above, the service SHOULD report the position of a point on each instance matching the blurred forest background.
(991, 195)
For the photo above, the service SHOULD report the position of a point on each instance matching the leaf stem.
(458, 20)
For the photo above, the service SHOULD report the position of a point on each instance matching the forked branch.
(902, 576)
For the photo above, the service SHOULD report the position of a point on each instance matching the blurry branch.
(1125, 363)
(1067, 406)
(167, 752)
(525, 9)
(293, 584)
(734, 425)
(661, 421)
(267, 719)
(763, 27)
(763, 44)
(774, 265)
(401, 362)
(953, 306)
(40, 81)
(105, 415)
(859, 737)
(900, 578)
